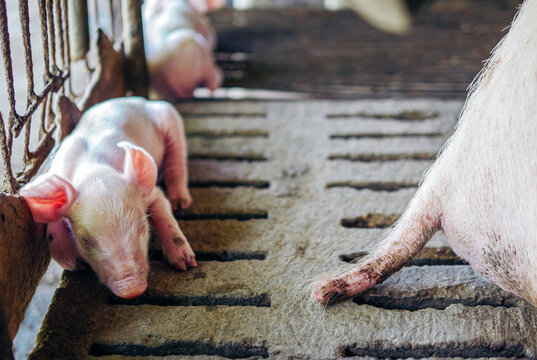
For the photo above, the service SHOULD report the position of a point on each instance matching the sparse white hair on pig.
(482, 189)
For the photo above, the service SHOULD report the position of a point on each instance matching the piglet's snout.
(129, 282)
(129, 288)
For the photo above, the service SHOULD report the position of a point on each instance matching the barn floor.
(282, 193)
(287, 189)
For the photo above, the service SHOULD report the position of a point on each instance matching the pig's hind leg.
(175, 155)
(403, 242)
(175, 247)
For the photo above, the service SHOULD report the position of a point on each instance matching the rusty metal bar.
(65, 32)
(30, 94)
(133, 37)
(117, 19)
(44, 37)
(8, 68)
(9, 184)
(25, 30)
(28, 126)
(112, 22)
(59, 28)
(78, 28)
(52, 37)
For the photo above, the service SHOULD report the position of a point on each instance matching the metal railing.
(53, 19)
(64, 36)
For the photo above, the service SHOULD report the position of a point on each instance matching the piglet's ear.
(49, 197)
(140, 166)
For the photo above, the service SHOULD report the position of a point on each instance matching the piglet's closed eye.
(49, 197)
(139, 165)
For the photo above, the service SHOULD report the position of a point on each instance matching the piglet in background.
(179, 43)
(100, 187)
(482, 189)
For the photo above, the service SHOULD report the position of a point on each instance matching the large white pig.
(179, 43)
(482, 190)
(100, 188)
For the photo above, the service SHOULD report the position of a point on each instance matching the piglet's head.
(108, 216)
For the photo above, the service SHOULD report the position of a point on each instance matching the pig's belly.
(498, 244)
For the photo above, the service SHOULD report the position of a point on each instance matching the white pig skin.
(179, 43)
(101, 185)
(482, 190)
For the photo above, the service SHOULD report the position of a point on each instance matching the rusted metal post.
(24, 258)
(133, 39)
(78, 28)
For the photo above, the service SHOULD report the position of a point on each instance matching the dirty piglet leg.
(175, 247)
(404, 241)
(175, 157)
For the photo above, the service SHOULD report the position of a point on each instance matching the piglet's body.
(179, 44)
(482, 190)
(101, 185)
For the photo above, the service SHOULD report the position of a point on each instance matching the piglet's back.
(94, 141)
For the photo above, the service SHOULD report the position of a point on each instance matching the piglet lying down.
(101, 186)
(482, 190)
(179, 44)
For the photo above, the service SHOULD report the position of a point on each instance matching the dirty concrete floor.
(283, 192)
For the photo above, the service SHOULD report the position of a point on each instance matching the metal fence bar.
(25, 30)
(44, 36)
(7, 139)
(133, 37)
(52, 37)
(67, 44)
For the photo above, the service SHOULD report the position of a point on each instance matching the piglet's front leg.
(175, 247)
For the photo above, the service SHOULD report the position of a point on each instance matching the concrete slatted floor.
(285, 191)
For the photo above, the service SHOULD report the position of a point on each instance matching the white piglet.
(482, 189)
(179, 44)
(102, 184)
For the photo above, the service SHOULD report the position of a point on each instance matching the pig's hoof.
(182, 201)
(329, 291)
(185, 202)
(183, 262)
(180, 256)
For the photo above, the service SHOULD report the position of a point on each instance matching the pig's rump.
(185, 64)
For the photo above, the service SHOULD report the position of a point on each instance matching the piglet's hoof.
(180, 255)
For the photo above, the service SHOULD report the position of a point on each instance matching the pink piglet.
(101, 186)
